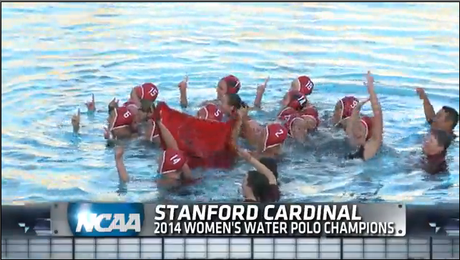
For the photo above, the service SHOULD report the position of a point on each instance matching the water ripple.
(55, 55)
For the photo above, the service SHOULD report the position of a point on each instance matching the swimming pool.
(55, 55)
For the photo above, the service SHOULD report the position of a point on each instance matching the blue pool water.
(55, 55)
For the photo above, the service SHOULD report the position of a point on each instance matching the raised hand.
(184, 83)
(91, 105)
(421, 93)
(261, 88)
(114, 103)
(369, 81)
(76, 121)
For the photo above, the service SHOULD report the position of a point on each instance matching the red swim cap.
(348, 104)
(306, 85)
(233, 84)
(173, 160)
(310, 112)
(123, 118)
(288, 124)
(287, 113)
(211, 112)
(131, 106)
(147, 91)
(276, 134)
(297, 100)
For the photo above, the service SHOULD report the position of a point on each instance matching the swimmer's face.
(359, 134)
(286, 100)
(226, 107)
(221, 89)
(431, 145)
(337, 113)
(295, 85)
(440, 119)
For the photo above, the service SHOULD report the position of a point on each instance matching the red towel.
(206, 143)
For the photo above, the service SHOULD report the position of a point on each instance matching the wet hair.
(235, 101)
(444, 139)
(271, 164)
(258, 182)
(452, 115)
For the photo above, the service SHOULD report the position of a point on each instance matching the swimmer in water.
(267, 140)
(343, 110)
(209, 111)
(122, 122)
(302, 123)
(172, 164)
(445, 119)
(293, 102)
(434, 151)
(300, 89)
(366, 132)
(231, 104)
(76, 122)
(303, 84)
(227, 85)
(260, 185)
(144, 95)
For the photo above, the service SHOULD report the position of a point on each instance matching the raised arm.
(427, 107)
(258, 165)
(183, 92)
(91, 105)
(122, 173)
(167, 137)
(373, 144)
(76, 122)
(354, 119)
(260, 94)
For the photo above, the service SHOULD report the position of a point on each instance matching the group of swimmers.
(141, 117)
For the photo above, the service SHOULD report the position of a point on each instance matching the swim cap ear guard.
(298, 100)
